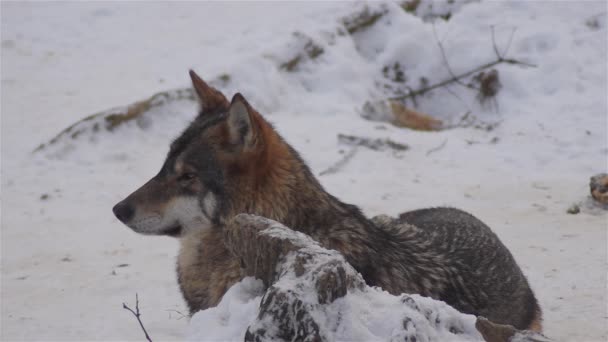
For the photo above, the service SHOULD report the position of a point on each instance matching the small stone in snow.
(574, 209)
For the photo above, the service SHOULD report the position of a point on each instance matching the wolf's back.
(496, 287)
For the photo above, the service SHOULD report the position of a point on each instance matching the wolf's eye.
(187, 177)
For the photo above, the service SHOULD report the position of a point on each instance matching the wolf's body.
(231, 161)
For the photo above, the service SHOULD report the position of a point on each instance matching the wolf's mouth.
(174, 231)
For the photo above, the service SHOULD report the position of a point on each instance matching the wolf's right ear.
(209, 97)
(242, 126)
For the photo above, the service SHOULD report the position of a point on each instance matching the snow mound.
(162, 115)
(227, 321)
(360, 54)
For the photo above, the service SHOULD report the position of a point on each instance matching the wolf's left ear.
(209, 97)
(241, 124)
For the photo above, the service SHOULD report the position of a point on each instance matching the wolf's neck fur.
(283, 188)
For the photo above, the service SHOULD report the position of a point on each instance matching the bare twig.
(372, 144)
(355, 142)
(506, 50)
(494, 44)
(449, 68)
(447, 64)
(453, 93)
(509, 42)
(454, 78)
(463, 120)
(435, 149)
(137, 315)
(465, 74)
(181, 315)
(340, 163)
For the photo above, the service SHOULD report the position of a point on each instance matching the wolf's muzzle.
(124, 212)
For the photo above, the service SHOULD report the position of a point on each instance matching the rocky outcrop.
(313, 294)
(300, 274)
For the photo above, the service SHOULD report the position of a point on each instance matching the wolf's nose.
(123, 212)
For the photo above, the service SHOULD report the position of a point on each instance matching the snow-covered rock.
(313, 294)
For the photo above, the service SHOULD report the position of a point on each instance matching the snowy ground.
(63, 257)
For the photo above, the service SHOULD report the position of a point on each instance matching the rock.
(574, 209)
(313, 294)
(270, 252)
(291, 319)
(598, 185)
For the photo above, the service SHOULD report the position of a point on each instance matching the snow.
(228, 320)
(63, 273)
(365, 315)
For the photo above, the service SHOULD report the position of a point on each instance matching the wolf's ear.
(209, 97)
(241, 124)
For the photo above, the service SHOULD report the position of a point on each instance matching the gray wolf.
(230, 160)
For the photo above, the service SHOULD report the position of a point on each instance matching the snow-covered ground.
(68, 264)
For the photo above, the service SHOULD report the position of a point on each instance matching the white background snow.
(63, 273)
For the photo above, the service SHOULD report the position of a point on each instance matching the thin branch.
(456, 78)
(494, 44)
(453, 93)
(465, 74)
(181, 315)
(509, 42)
(340, 163)
(435, 149)
(464, 121)
(464, 118)
(447, 64)
(444, 82)
(449, 68)
(137, 315)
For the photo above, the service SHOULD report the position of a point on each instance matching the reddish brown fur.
(212, 97)
(260, 174)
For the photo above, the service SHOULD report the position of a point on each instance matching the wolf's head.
(219, 166)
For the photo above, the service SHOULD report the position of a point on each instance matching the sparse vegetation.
(363, 19)
(112, 119)
(310, 51)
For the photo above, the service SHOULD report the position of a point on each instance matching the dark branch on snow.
(137, 315)
(457, 78)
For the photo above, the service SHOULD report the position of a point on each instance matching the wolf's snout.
(123, 211)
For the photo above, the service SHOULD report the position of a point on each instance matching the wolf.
(230, 160)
